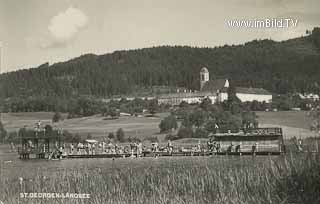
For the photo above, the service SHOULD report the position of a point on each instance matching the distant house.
(310, 96)
(253, 94)
(177, 98)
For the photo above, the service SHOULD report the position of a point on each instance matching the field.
(290, 179)
(293, 178)
(95, 125)
(294, 123)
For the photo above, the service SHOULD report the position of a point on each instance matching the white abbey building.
(216, 91)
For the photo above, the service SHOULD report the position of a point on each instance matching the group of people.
(213, 146)
(105, 148)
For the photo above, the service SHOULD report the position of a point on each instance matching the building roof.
(204, 69)
(257, 91)
(214, 85)
(186, 95)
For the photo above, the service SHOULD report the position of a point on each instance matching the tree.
(113, 112)
(111, 136)
(77, 138)
(3, 132)
(48, 129)
(89, 136)
(13, 137)
(200, 133)
(153, 106)
(67, 136)
(168, 123)
(57, 117)
(205, 104)
(183, 104)
(198, 117)
(211, 126)
(120, 135)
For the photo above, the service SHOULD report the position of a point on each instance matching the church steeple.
(204, 77)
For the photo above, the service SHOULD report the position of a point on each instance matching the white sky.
(38, 31)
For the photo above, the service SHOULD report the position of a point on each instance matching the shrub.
(120, 135)
(200, 133)
(151, 139)
(185, 132)
(172, 137)
(111, 136)
(168, 123)
(57, 117)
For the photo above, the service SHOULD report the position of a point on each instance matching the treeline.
(280, 67)
(83, 106)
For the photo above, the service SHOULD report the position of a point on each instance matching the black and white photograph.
(159, 102)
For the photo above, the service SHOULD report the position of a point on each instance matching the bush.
(200, 133)
(111, 136)
(120, 135)
(48, 129)
(57, 117)
(89, 136)
(76, 138)
(172, 137)
(185, 132)
(3, 132)
(134, 139)
(151, 139)
(67, 136)
(168, 123)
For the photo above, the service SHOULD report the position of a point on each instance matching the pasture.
(291, 178)
(294, 123)
(217, 179)
(96, 125)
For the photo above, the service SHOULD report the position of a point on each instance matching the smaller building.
(253, 94)
(310, 96)
(191, 98)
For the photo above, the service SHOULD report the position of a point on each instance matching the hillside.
(279, 67)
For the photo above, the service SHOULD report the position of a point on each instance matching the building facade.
(216, 90)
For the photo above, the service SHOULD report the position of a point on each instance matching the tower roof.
(215, 85)
(204, 69)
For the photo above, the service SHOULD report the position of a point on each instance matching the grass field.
(95, 125)
(297, 119)
(294, 123)
(292, 179)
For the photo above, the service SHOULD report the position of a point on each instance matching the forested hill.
(280, 67)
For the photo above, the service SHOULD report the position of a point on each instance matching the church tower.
(204, 77)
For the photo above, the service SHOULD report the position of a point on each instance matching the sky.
(33, 32)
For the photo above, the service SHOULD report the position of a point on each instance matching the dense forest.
(280, 67)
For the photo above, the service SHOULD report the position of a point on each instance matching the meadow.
(290, 178)
(284, 179)
(293, 123)
(96, 125)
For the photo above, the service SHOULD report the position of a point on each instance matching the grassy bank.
(291, 179)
